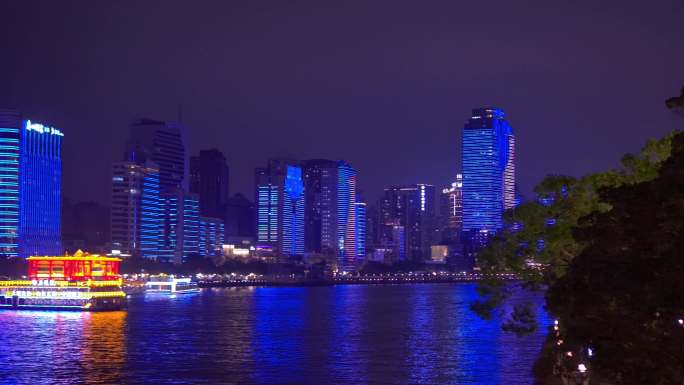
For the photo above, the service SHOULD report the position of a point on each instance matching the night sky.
(385, 85)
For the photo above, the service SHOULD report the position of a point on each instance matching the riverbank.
(380, 279)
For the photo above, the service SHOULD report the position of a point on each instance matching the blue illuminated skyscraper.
(331, 211)
(30, 187)
(10, 125)
(360, 230)
(180, 232)
(488, 161)
(210, 236)
(280, 208)
(135, 210)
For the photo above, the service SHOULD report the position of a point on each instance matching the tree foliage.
(538, 241)
(623, 295)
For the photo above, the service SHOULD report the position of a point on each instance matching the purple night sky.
(385, 85)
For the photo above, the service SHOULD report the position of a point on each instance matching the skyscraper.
(30, 187)
(331, 211)
(209, 179)
(240, 217)
(360, 230)
(280, 207)
(211, 235)
(410, 209)
(136, 210)
(451, 210)
(180, 232)
(163, 144)
(488, 156)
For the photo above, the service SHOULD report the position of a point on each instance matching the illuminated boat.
(171, 286)
(72, 282)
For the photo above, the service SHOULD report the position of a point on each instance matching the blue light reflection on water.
(384, 334)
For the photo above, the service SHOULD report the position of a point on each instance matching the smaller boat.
(171, 286)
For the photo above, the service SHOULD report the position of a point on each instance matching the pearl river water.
(345, 334)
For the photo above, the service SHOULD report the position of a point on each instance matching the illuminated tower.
(488, 161)
(40, 201)
(161, 143)
(346, 217)
(409, 211)
(451, 210)
(331, 213)
(280, 208)
(180, 226)
(30, 187)
(135, 210)
(10, 125)
(360, 230)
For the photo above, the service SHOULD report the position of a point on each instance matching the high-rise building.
(280, 207)
(410, 209)
(30, 187)
(210, 236)
(180, 233)
(451, 210)
(320, 182)
(136, 210)
(240, 217)
(488, 161)
(209, 179)
(331, 211)
(161, 143)
(360, 231)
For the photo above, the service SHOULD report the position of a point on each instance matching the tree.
(623, 295)
(538, 243)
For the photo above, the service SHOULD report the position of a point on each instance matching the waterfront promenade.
(236, 280)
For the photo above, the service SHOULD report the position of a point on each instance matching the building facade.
(280, 204)
(332, 209)
(163, 144)
(451, 210)
(211, 236)
(30, 187)
(209, 179)
(407, 216)
(180, 226)
(488, 161)
(136, 210)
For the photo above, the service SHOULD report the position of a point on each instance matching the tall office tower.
(161, 143)
(210, 236)
(209, 179)
(320, 190)
(10, 127)
(40, 200)
(488, 155)
(135, 210)
(180, 226)
(240, 216)
(451, 210)
(361, 235)
(280, 207)
(413, 209)
(30, 187)
(331, 210)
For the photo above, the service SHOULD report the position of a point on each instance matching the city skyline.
(399, 123)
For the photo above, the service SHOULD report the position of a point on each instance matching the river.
(347, 334)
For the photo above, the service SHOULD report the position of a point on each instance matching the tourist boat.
(71, 282)
(171, 286)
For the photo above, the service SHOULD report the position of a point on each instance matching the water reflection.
(384, 334)
(42, 347)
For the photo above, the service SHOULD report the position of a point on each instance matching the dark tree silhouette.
(623, 295)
